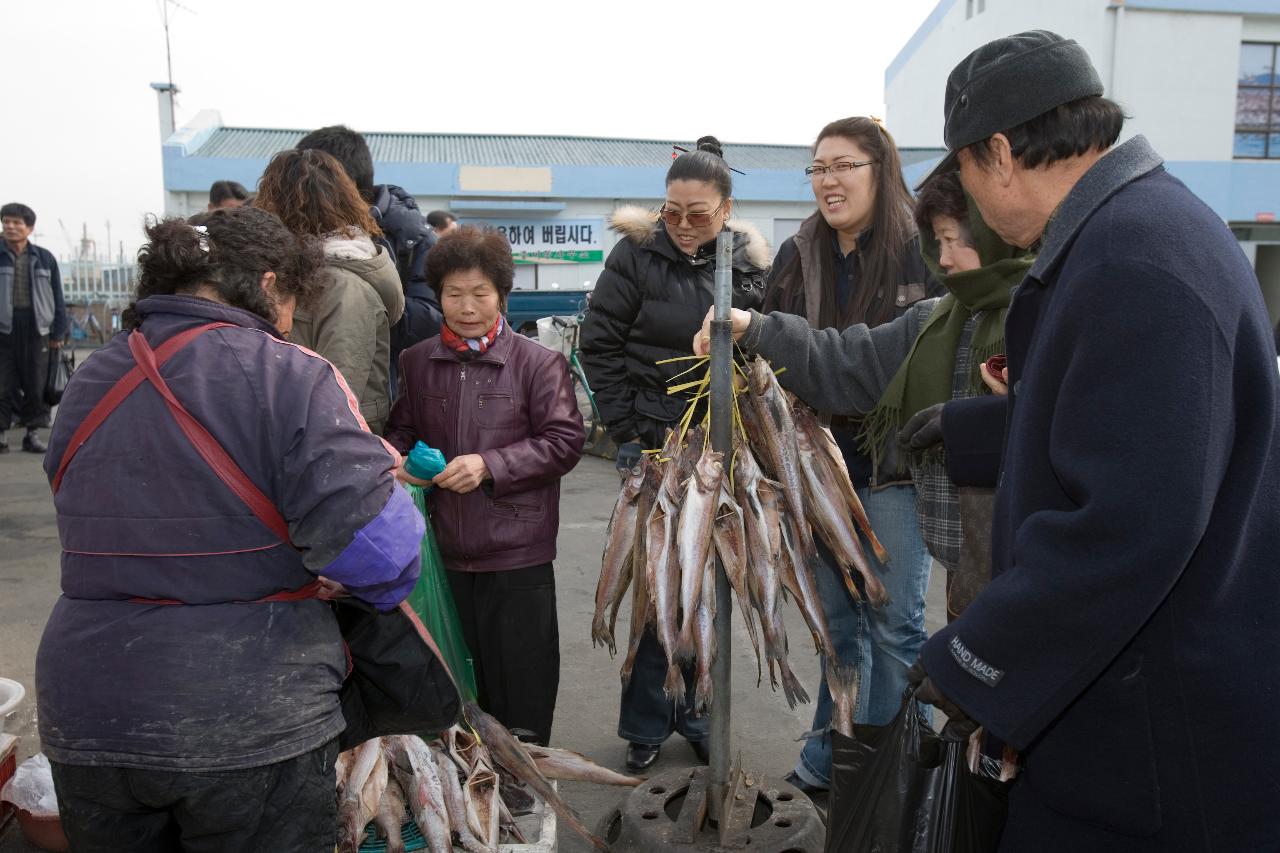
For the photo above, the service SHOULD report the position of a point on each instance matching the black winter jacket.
(408, 237)
(647, 306)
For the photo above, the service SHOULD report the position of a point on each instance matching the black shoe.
(31, 443)
(640, 756)
(699, 748)
(809, 790)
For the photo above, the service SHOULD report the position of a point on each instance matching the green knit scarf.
(927, 374)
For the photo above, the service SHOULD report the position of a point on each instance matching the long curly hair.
(312, 194)
(237, 246)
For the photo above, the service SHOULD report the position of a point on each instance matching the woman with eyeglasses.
(857, 260)
(657, 284)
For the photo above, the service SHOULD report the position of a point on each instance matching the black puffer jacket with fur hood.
(647, 306)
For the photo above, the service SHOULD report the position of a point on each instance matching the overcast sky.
(81, 139)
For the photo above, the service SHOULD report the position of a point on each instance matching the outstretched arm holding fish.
(841, 372)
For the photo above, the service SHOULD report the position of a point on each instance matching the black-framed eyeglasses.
(839, 168)
(695, 220)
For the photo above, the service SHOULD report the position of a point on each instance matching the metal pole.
(722, 440)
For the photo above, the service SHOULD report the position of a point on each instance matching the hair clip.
(674, 155)
(879, 123)
(202, 232)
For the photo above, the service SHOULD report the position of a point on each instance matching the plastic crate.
(413, 840)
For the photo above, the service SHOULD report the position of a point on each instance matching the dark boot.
(4, 441)
(640, 756)
(32, 443)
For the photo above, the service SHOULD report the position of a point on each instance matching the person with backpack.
(405, 234)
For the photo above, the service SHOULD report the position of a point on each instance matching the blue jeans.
(882, 644)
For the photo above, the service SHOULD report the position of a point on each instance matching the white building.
(1196, 77)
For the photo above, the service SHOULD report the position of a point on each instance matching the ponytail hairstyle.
(229, 250)
(704, 164)
(892, 228)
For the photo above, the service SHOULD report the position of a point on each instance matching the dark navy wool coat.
(1127, 644)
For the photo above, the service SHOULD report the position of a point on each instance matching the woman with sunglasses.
(857, 260)
(656, 286)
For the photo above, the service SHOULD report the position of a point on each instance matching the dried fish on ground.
(509, 753)
(455, 804)
(480, 793)
(390, 817)
(567, 765)
(415, 769)
(361, 794)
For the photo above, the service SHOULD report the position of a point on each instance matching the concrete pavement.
(764, 728)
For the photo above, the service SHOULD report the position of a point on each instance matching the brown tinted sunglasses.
(695, 220)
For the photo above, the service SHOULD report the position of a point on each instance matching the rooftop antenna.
(169, 89)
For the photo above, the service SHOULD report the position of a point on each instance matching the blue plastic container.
(424, 461)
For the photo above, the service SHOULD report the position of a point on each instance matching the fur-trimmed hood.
(640, 224)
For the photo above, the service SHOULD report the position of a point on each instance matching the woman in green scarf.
(930, 355)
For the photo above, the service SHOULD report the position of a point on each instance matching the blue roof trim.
(1225, 7)
(196, 174)
(913, 43)
(508, 206)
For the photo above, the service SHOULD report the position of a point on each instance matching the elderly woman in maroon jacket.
(503, 410)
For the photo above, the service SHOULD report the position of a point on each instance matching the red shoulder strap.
(206, 445)
(117, 394)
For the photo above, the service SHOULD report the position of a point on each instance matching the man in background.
(442, 222)
(227, 194)
(33, 320)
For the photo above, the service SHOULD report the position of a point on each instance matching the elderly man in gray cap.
(1137, 523)
(1136, 532)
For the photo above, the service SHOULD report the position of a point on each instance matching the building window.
(968, 9)
(1258, 103)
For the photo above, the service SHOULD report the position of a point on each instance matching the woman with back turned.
(188, 677)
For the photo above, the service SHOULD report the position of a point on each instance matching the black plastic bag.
(902, 788)
(397, 684)
(62, 362)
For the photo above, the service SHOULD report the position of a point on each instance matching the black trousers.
(509, 622)
(24, 364)
(287, 806)
(645, 714)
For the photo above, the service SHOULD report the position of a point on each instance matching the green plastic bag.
(433, 602)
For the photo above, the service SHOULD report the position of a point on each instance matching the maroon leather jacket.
(515, 405)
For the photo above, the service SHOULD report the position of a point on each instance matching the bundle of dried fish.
(762, 511)
(457, 788)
